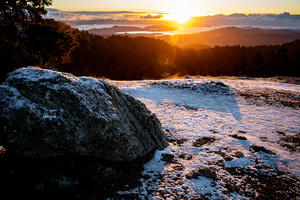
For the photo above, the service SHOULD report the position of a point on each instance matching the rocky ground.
(81, 138)
(228, 139)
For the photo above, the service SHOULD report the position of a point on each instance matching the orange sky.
(199, 7)
(182, 10)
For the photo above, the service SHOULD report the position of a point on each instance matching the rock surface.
(47, 114)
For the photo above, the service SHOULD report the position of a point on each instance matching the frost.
(86, 89)
(206, 87)
(50, 114)
(153, 164)
(239, 163)
(33, 74)
(195, 108)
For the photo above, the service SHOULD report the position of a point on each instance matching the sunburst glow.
(180, 11)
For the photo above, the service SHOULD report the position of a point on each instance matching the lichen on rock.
(46, 114)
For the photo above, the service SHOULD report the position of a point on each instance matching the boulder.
(46, 114)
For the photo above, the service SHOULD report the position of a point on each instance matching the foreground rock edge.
(47, 156)
(45, 113)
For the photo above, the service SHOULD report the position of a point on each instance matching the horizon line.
(159, 12)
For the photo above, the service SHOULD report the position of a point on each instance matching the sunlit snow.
(188, 112)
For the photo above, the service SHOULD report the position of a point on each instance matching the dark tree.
(28, 39)
(19, 13)
(48, 41)
(257, 64)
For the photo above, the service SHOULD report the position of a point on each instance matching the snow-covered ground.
(229, 139)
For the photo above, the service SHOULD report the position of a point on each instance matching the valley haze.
(206, 31)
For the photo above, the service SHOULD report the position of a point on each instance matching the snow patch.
(239, 163)
(188, 114)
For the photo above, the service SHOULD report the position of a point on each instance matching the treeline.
(128, 58)
(31, 40)
(117, 57)
(259, 61)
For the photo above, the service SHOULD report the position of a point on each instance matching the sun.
(180, 11)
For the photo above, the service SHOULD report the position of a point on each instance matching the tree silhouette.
(28, 39)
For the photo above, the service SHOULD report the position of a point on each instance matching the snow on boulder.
(46, 114)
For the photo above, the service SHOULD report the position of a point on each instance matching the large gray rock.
(46, 114)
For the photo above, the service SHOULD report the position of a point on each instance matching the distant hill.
(266, 20)
(230, 36)
(117, 29)
(235, 36)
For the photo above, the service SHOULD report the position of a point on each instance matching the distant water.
(188, 30)
(100, 26)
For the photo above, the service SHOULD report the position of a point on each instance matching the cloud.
(238, 19)
(272, 20)
(60, 15)
(151, 17)
(131, 17)
(105, 12)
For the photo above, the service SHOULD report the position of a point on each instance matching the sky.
(191, 7)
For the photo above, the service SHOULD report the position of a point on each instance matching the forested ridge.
(47, 43)
(123, 57)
